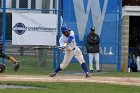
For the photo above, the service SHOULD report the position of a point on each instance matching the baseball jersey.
(63, 39)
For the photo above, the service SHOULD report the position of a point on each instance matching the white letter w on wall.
(82, 16)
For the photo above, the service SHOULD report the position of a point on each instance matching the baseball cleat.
(87, 75)
(91, 71)
(98, 71)
(52, 74)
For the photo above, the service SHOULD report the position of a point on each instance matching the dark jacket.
(93, 43)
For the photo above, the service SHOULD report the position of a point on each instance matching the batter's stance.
(68, 44)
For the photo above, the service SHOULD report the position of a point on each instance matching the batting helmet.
(64, 29)
(2, 68)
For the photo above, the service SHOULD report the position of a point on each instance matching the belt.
(72, 49)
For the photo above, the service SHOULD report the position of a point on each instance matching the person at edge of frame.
(12, 59)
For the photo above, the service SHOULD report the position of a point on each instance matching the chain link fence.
(27, 54)
(47, 58)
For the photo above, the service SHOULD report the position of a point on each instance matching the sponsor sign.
(34, 29)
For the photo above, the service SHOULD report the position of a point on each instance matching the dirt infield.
(70, 78)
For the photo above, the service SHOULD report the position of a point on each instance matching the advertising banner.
(34, 29)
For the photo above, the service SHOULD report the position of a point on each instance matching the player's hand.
(64, 45)
(62, 48)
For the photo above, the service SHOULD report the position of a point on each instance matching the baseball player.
(12, 59)
(68, 44)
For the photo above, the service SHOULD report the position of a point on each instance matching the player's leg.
(90, 62)
(12, 59)
(96, 56)
(67, 58)
(138, 63)
(79, 56)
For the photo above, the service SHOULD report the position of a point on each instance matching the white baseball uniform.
(71, 50)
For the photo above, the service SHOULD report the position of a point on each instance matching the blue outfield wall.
(81, 15)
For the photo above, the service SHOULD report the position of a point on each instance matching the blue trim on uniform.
(58, 69)
(70, 38)
(83, 65)
(73, 49)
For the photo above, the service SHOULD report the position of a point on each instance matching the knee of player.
(63, 66)
(81, 62)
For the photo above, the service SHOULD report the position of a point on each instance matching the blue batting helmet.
(64, 29)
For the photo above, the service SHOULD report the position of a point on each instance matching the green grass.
(29, 67)
(119, 74)
(70, 87)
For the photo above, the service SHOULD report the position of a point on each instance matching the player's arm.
(98, 39)
(70, 39)
(90, 41)
(62, 43)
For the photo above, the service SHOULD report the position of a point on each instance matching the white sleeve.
(72, 33)
(61, 41)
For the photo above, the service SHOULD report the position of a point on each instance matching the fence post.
(119, 34)
(42, 57)
(59, 25)
(3, 28)
(21, 51)
(54, 58)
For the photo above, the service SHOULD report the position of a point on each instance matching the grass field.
(70, 88)
(29, 67)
